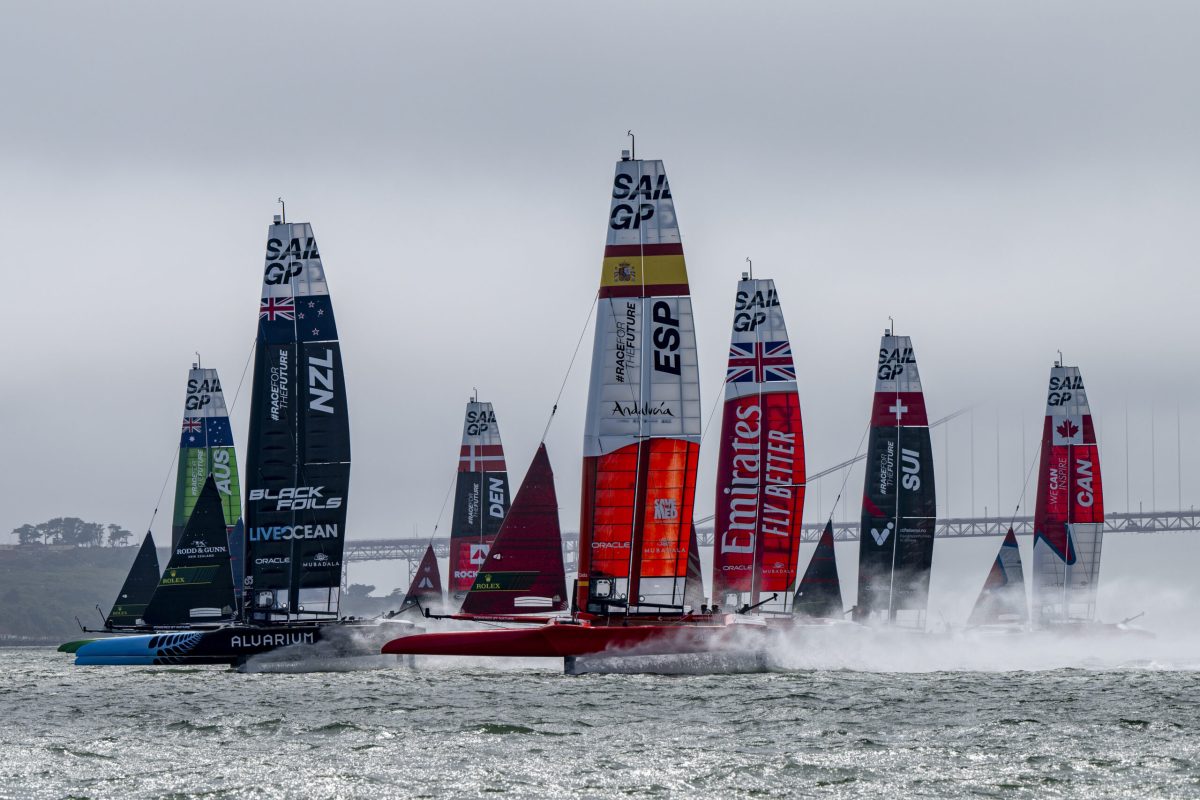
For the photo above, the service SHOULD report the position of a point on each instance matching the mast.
(896, 545)
(642, 429)
(298, 460)
(1069, 516)
(760, 472)
(524, 570)
(205, 448)
(481, 496)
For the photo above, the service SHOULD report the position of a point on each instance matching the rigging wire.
(570, 366)
(162, 491)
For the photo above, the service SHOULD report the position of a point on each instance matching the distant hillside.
(44, 588)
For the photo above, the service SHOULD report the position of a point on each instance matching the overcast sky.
(1005, 179)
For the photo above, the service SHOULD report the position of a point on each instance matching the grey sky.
(1006, 179)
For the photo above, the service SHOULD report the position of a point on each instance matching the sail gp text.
(297, 498)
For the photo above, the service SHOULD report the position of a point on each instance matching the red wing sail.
(1069, 516)
(481, 496)
(425, 591)
(524, 570)
(820, 592)
(760, 472)
(642, 430)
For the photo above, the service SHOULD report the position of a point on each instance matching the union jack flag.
(191, 424)
(759, 362)
(274, 308)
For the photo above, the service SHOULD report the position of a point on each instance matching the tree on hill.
(70, 531)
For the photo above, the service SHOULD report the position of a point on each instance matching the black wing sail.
(820, 592)
(298, 459)
(898, 512)
(197, 585)
(138, 588)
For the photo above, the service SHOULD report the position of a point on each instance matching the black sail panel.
(138, 588)
(898, 507)
(197, 585)
(299, 449)
(820, 591)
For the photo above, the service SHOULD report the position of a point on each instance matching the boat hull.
(234, 644)
(569, 640)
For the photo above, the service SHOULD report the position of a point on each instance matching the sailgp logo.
(879, 537)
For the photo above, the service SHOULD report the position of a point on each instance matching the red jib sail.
(1068, 520)
(642, 429)
(425, 591)
(481, 496)
(760, 472)
(524, 570)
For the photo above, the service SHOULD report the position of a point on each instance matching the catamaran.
(298, 469)
(641, 443)
(898, 507)
(481, 496)
(425, 589)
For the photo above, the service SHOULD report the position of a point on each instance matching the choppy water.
(1122, 725)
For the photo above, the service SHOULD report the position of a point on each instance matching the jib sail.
(760, 472)
(642, 428)
(1068, 519)
(197, 585)
(205, 448)
(898, 511)
(820, 592)
(1002, 599)
(523, 572)
(298, 464)
(138, 587)
(425, 590)
(481, 496)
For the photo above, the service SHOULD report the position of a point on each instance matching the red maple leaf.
(1068, 429)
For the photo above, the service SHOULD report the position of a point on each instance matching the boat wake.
(340, 649)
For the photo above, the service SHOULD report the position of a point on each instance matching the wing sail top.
(481, 496)
(760, 473)
(524, 570)
(1069, 515)
(205, 448)
(899, 503)
(642, 428)
(298, 464)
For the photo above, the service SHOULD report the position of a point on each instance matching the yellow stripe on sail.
(647, 270)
